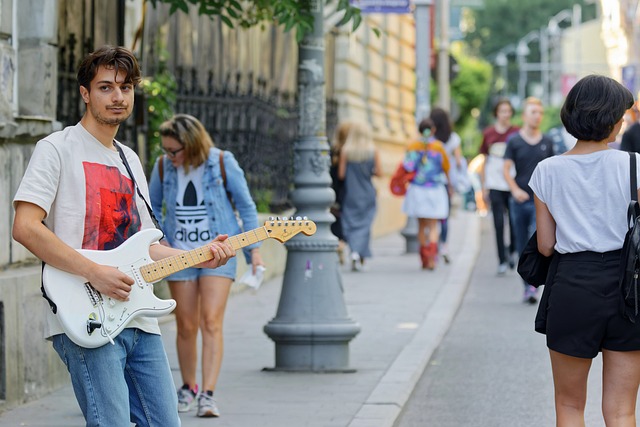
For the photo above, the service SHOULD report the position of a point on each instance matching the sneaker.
(186, 398)
(355, 261)
(502, 269)
(207, 406)
(444, 252)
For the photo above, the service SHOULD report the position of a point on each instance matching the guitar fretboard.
(160, 269)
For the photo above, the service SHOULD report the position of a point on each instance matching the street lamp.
(312, 329)
(501, 61)
(522, 51)
(574, 16)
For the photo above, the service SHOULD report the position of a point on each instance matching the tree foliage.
(470, 89)
(290, 14)
(502, 22)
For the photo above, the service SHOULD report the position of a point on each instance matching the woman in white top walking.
(581, 199)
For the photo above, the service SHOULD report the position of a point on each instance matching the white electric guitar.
(91, 320)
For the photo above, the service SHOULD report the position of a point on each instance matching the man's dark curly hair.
(114, 57)
(594, 106)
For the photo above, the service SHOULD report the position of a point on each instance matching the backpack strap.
(634, 208)
(161, 168)
(222, 171)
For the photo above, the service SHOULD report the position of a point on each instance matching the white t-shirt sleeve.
(41, 179)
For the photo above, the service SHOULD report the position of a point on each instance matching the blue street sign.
(382, 6)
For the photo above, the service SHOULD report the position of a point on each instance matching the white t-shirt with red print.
(88, 196)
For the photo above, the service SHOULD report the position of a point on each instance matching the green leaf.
(232, 13)
(226, 20)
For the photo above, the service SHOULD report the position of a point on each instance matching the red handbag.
(400, 181)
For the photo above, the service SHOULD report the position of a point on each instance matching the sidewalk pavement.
(403, 313)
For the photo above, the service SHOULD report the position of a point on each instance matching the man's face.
(110, 101)
(532, 115)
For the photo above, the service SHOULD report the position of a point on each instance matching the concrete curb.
(384, 405)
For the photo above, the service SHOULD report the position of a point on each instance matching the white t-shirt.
(88, 196)
(494, 168)
(192, 221)
(588, 196)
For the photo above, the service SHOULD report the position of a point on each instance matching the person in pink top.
(494, 187)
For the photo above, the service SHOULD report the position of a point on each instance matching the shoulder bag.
(533, 267)
(400, 181)
(629, 262)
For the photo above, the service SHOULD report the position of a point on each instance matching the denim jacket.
(222, 219)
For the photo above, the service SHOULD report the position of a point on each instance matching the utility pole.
(423, 57)
(444, 92)
(312, 329)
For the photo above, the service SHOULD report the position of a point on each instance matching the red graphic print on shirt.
(111, 214)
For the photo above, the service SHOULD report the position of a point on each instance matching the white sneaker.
(502, 269)
(207, 406)
(355, 261)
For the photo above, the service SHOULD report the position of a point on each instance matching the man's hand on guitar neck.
(220, 249)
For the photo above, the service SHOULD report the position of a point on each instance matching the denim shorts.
(191, 274)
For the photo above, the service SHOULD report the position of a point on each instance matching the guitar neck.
(160, 269)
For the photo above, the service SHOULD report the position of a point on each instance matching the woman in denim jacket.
(190, 186)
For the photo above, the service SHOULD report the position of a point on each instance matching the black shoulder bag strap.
(634, 176)
(135, 184)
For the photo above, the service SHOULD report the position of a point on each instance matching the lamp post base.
(312, 347)
(410, 233)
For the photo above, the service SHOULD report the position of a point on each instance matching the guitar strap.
(52, 305)
(135, 184)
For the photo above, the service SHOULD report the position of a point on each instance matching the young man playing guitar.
(78, 194)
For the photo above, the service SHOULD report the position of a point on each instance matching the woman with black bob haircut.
(581, 200)
(594, 106)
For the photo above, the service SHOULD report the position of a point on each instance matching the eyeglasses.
(172, 153)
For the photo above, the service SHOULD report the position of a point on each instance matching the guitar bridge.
(94, 296)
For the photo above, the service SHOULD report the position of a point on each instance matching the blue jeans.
(523, 219)
(127, 382)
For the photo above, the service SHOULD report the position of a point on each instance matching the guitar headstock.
(283, 229)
